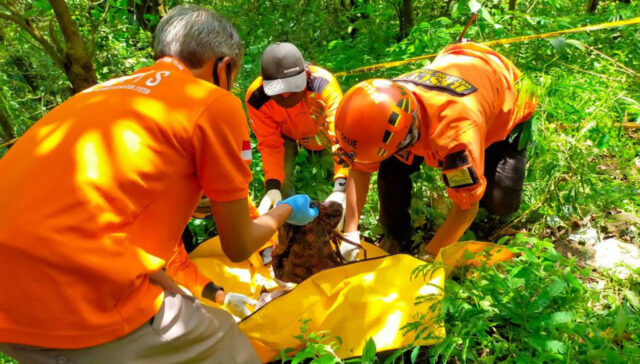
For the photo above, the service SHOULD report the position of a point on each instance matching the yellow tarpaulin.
(372, 298)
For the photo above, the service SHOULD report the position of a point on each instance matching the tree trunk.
(405, 17)
(6, 130)
(77, 62)
(512, 5)
(592, 5)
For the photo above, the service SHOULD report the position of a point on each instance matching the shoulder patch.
(258, 98)
(460, 178)
(317, 84)
(438, 80)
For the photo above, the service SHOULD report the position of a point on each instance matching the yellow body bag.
(373, 298)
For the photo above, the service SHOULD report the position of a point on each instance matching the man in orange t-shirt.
(463, 114)
(292, 104)
(95, 196)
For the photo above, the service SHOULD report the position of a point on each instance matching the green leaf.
(621, 321)
(474, 6)
(547, 345)
(30, 13)
(392, 358)
(369, 351)
(553, 320)
(42, 5)
(325, 359)
(414, 354)
(561, 317)
(487, 16)
(468, 255)
(576, 43)
(633, 298)
(558, 43)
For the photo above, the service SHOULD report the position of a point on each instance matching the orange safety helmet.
(375, 119)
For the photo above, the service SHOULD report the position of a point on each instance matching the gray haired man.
(82, 276)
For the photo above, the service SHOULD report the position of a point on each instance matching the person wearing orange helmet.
(464, 114)
(292, 104)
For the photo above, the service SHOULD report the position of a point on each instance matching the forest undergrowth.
(583, 170)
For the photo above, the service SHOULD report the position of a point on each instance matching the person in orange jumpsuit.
(292, 104)
(95, 196)
(464, 114)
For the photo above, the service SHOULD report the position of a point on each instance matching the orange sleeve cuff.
(369, 168)
(465, 197)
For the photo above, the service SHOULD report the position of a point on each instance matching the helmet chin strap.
(412, 136)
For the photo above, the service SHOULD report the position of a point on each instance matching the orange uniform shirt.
(185, 272)
(96, 194)
(468, 99)
(310, 122)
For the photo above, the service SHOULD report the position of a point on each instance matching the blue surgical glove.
(302, 213)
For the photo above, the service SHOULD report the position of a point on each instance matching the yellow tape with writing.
(385, 65)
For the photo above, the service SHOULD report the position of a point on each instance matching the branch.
(54, 37)
(621, 66)
(628, 125)
(70, 33)
(91, 47)
(28, 26)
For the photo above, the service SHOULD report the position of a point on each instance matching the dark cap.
(283, 69)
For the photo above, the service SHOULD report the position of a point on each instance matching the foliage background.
(583, 166)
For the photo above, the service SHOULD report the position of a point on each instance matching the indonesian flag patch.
(246, 151)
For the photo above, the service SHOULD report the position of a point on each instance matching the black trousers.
(504, 170)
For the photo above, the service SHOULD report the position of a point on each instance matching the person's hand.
(271, 198)
(237, 304)
(302, 213)
(348, 251)
(162, 280)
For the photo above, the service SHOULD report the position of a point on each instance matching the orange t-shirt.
(310, 122)
(95, 195)
(468, 98)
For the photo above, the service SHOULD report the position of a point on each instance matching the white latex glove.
(269, 200)
(341, 198)
(426, 257)
(348, 251)
(237, 304)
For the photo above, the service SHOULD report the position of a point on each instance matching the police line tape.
(385, 65)
(525, 38)
(9, 143)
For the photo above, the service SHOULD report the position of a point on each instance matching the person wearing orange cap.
(292, 104)
(96, 194)
(464, 114)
